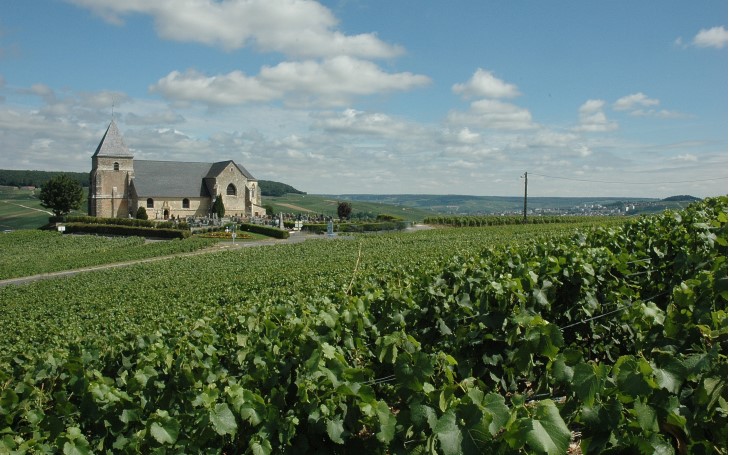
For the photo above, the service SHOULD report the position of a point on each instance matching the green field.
(499, 339)
(21, 209)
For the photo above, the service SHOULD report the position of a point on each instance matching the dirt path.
(222, 246)
(296, 207)
(29, 208)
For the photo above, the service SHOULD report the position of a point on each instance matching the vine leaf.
(164, 429)
(387, 422)
(547, 433)
(335, 430)
(448, 433)
(223, 420)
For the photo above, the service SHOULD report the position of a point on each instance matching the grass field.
(21, 209)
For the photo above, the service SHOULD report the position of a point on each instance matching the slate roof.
(178, 179)
(112, 143)
(217, 168)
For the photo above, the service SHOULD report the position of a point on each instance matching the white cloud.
(340, 76)
(711, 37)
(225, 89)
(582, 150)
(462, 164)
(591, 118)
(687, 157)
(636, 104)
(353, 122)
(663, 113)
(164, 117)
(41, 90)
(301, 28)
(633, 101)
(331, 82)
(347, 150)
(493, 114)
(465, 136)
(483, 84)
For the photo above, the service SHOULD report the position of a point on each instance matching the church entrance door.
(166, 214)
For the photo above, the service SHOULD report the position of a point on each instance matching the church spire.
(112, 143)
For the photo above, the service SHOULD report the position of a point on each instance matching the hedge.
(265, 230)
(140, 231)
(124, 222)
(356, 227)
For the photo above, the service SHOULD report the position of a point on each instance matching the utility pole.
(524, 209)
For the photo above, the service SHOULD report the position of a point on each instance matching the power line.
(627, 183)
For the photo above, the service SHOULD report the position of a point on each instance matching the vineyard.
(508, 339)
(33, 252)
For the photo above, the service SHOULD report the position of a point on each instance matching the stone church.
(119, 185)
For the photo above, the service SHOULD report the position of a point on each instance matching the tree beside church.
(61, 194)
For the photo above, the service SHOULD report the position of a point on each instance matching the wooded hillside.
(38, 178)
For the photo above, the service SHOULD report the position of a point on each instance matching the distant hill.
(309, 204)
(38, 178)
(487, 205)
(681, 198)
(276, 189)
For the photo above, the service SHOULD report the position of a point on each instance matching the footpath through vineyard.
(611, 339)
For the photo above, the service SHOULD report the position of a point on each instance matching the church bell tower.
(112, 170)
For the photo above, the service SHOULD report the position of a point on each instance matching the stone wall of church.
(109, 193)
(232, 180)
(167, 208)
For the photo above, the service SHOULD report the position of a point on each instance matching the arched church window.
(116, 166)
(231, 190)
(186, 203)
(150, 203)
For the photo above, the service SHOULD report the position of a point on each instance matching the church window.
(186, 203)
(231, 190)
(150, 203)
(116, 166)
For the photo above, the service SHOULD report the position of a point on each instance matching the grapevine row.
(612, 338)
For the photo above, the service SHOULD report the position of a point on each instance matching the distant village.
(613, 209)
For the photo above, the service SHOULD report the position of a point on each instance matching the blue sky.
(618, 98)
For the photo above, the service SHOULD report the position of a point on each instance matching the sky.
(621, 98)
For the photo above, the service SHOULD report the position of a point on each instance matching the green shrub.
(265, 230)
(112, 229)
